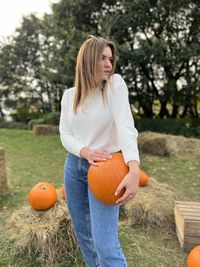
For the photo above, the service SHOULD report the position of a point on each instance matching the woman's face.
(106, 63)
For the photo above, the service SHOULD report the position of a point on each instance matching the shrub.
(13, 125)
(34, 122)
(50, 118)
(24, 114)
(186, 127)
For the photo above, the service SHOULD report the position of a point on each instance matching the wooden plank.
(192, 231)
(180, 238)
(179, 219)
(188, 247)
(195, 212)
(189, 209)
(178, 214)
(187, 219)
(192, 224)
(180, 232)
(189, 203)
(179, 225)
(183, 207)
(192, 216)
(192, 239)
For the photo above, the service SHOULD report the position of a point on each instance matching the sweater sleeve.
(126, 131)
(70, 143)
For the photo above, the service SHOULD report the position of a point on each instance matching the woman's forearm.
(134, 167)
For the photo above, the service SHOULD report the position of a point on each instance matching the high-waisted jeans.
(95, 224)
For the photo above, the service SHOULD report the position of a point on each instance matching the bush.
(13, 125)
(34, 122)
(52, 118)
(186, 127)
(24, 114)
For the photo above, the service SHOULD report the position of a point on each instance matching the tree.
(158, 44)
(28, 77)
(163, 55)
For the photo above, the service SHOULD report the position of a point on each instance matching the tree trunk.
(175, 111)
(163, 110)
(185, 110)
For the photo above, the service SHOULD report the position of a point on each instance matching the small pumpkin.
(63, 193)
(42, 196)
(143, 179)
(104, 178)
(194, 257)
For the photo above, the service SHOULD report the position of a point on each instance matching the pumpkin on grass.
(63, 193)
(194, 257)
(42, 196)
(104, 178)
(143, 179)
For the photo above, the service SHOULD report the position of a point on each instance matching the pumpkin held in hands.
(143, 179)
(42, 196)
(194, 257)
(104, 179)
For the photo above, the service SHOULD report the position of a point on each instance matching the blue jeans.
(95, 224)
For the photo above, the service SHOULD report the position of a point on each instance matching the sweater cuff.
(130, 155)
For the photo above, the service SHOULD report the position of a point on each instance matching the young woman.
(95, 122)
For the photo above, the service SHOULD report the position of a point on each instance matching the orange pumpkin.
(143, 179)
(63, 193)
(104, 179)
(42, 196)
(194, 257)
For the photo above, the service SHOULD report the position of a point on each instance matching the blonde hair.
(87, 76)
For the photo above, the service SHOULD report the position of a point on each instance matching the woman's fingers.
(99, 155)
(125, 199)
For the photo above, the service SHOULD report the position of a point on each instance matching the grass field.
(31, 159)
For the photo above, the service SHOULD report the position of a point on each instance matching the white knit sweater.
(100, 124)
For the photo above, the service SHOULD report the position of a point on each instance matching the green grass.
(31, 159)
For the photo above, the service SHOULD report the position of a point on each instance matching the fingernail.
(115, 193)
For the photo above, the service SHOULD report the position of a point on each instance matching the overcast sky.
(11, 12)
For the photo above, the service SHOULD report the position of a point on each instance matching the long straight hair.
(87, 76)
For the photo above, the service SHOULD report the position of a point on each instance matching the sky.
(12, 11)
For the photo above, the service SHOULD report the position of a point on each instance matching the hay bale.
(152, 207)
(44, 235)
(4, 185)
(168, 145)
(45, 129)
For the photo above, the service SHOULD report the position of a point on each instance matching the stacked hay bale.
(4, 187)
(152, 208)
(44, 235)
(45, 129)
(168, 145)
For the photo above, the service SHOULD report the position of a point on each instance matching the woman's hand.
(95, 155)
(130, 183)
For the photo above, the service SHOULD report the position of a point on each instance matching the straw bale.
(45, 129)
(152, 207)
(44, 235)
(168, 145)
(4, 183)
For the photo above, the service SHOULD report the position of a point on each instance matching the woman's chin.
(106, 77)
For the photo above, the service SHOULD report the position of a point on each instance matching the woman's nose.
(108, 63)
